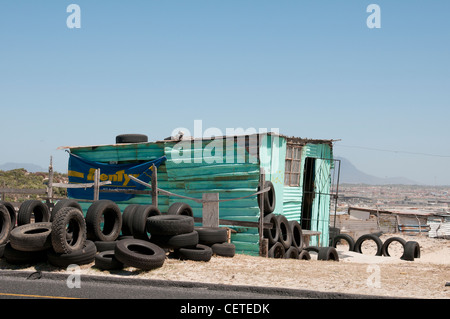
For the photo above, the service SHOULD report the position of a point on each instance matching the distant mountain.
(351, 175)
(32, 168)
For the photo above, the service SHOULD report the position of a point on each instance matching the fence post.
(96, 184)
(154, 183)
(263, 242)
(50, 181)
(210, 210)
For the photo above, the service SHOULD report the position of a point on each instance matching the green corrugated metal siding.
(230, 180)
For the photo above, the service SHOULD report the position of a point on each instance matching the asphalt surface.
(25, 284)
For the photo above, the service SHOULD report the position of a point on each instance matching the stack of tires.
(286, 241)
(411, 249)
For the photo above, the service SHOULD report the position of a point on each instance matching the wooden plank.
(154, 183)
(230, 222)
(26, 191)
(210, 210)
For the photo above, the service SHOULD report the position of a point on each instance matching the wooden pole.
(154, 183)
(50, 180)
(263, 242)
(96, 184)
(210, 210)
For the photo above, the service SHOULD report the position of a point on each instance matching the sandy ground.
(424, 278)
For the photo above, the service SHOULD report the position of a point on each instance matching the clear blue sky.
(310, 68)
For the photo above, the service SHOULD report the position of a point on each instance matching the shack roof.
(171, 139)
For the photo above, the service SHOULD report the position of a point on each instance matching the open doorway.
(308, 192)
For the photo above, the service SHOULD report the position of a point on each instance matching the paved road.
(25, 284)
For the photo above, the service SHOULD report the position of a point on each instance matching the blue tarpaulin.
(82, 171)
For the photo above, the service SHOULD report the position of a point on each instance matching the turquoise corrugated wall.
(201, 174)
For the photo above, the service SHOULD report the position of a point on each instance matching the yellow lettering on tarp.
(119, 176)
(75, 174)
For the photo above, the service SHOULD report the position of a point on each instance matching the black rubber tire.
(311, 249)
(2, 249)
(198, 253)
(387, 242)
(269, 198)
(84, 256)
(18, 257)
(180, 209)
(328, 253)
(285, 231)
(211, 235)
(224, 249)
(31, 237)
(170, 225)
(131, 138)
(291, 253)
(304, 255)
(105, 245)
(139, 223)
(372, 237)
(349, 239)
(68, 230)
(272, 234)
(187, 240)
(32, 207)
(108, 212)
(276, 251)
(5, 224)
(12, 212)
(127, 219)
(139, 254)
(297, 234)
(412, 250)
(62, 204)
(106, 260)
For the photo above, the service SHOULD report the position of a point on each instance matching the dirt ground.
(424, 278)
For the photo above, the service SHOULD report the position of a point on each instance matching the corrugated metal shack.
(299, 169)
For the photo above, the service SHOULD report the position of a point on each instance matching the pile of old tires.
(286, 241)
(140, 237)
(411, 249)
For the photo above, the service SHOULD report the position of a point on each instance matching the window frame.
(292, 167)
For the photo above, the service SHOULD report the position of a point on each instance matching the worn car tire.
(345, 237)
(186, 240)
(285, 231)
(272, 234)
(31, 208)
(139, 253)
(108, 212)
(412, 250)
(211, 235)
(139, 223)
(5, 224)
(390, 240)
(18, 257)
(327, 253)
(83, 256)
(127, 219)
(304, 255)
(269, 198)
(68, 230)
(32, 237)
(180, 209)
(62, 204)
(297, 235)
(198, 253)
(170, 224)
(12, 212)
(276, 251)
(131, 138)
(291, 253)
(106, 260)
(224, 249)
(372, 237)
